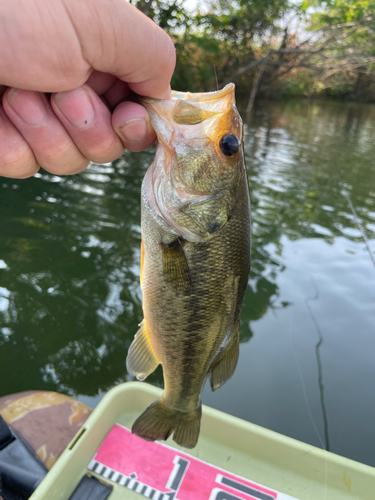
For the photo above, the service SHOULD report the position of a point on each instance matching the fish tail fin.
(159, 422)
(187, 429)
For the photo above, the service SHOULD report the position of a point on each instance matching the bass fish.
(195, 258)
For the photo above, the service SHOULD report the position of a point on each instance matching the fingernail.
(28, 105)
(134, 130)
(76, 106)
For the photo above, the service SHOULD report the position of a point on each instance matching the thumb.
(54, 46)
(117, 38)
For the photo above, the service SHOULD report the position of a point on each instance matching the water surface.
(70, 299)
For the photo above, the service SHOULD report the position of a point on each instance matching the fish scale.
(195, 258)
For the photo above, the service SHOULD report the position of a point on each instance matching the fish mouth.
(188, 109)
(192, 115)
(229, 89)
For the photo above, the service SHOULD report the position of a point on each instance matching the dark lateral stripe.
(127, 481)
(152, 493)
(120, 476)
(111, 474)
(245, 489)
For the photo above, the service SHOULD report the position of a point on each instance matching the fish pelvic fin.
(141, 360)
(223, 369)
(158, 422)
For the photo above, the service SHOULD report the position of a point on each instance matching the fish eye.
(229, 144)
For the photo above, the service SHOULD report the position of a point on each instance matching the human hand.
(90, 54)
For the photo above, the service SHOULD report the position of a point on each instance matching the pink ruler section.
(160, 472)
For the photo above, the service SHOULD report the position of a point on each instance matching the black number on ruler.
(177, 474)
(231, 483)
(218, 494)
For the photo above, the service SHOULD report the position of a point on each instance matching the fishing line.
(360, 227)
(304, 390)
(319, 363)
(217, 85)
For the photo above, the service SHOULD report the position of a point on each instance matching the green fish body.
(195, 258)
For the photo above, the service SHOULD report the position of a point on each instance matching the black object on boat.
(21, 470)
(91, 489)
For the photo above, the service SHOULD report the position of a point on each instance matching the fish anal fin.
(223, 369)
(141, 360)
(175, 265)
(158, 422)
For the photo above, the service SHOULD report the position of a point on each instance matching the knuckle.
(28, 172)
(18, 163)
(63, 158)
(80, 166)
(70, 166)
(108, 151)
(59, 151)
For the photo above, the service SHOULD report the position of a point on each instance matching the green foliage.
(222, 40)
(229, 35)
(197, 57)
(169, 15)
(239, 22)
(348, 27)
(341, 11)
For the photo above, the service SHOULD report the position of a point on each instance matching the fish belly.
(190, 323)
(192, 294)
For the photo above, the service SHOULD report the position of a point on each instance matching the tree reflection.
(304, 159)
(70, 300)
(73, 278)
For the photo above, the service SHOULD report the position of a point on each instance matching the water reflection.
(70, 300)
(72, 245)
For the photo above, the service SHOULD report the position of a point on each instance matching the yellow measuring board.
(233, 460)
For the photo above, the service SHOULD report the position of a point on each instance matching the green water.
(70, 299)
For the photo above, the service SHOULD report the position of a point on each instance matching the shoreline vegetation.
(274, 49)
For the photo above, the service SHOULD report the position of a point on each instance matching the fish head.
(198, 162)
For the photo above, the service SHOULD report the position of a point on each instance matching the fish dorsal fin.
(224, 368)
(141, 360)
(185, 113)
(175, 266)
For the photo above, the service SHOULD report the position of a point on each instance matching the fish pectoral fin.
(141, 360)
(175, 265)
(223, 369)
